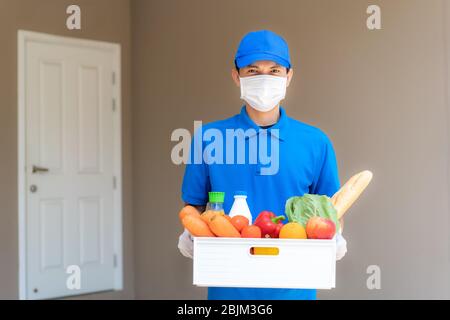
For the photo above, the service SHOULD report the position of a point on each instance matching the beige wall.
(380, 96)
(107, 20)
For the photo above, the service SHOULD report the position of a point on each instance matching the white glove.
(186, 244)
(341, 246)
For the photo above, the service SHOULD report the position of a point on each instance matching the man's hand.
(341, 246)
(186, 244)
(185, 241)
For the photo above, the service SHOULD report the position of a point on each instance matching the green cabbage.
(300, 209)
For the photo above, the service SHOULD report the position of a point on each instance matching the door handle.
(37, 169)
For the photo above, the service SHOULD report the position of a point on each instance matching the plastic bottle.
(215, 201)
(240, 206)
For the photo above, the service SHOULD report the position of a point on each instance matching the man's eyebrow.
(255, 66)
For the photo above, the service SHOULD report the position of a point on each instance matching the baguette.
(350, 191)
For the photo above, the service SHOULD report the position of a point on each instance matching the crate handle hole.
(264, 251)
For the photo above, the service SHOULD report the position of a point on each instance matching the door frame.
(23, 37)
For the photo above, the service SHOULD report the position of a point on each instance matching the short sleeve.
(196, 184)
(326, 176)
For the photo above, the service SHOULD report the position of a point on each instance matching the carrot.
(208, 214)
(188, 210)
(196, 226)
(222, 227)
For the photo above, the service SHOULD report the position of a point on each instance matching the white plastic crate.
(300, 264)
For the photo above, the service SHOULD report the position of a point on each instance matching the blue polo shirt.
(307, 164)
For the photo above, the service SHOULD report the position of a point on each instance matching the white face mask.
(263, 92)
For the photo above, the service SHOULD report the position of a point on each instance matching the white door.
(70, 168)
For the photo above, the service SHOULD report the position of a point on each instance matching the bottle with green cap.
(216, 200)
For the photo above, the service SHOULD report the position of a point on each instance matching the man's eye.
(251, 71)
(275, 71)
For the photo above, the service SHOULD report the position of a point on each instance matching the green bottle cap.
(216, 197)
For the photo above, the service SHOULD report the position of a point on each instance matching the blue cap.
(262, 45)
(240, 193)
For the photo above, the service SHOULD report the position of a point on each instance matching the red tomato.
(239, 222)
(251, 232)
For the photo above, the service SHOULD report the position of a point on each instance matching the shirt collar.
(280, 127)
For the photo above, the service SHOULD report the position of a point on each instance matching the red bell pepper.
(269, 223)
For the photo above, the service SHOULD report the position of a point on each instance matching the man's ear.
(289, 76)
(235, 76)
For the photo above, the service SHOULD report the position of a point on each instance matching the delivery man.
(307, 162)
